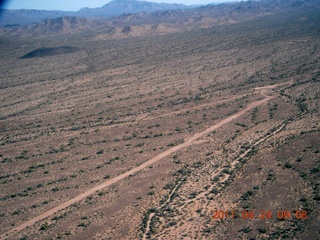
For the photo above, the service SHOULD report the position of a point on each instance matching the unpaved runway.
(134, 170)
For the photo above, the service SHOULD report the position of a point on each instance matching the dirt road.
(134, 170)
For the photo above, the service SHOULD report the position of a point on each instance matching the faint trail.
(134, 170)
(142, 118)
(145, 118)
(195, 107)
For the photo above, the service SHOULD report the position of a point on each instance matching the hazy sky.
(75, 5)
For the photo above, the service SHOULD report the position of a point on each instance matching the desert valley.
(193, 123)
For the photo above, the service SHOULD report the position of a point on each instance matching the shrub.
(288, 165)
(99, 152)
(44, 226)
(262, 230)
(246, 229)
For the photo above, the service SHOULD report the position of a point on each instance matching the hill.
(44, 52)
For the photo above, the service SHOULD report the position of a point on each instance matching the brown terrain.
(140, 135)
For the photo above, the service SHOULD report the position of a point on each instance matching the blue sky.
(75, 5)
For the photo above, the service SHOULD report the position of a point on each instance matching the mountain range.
(111, 9)
(141, 18)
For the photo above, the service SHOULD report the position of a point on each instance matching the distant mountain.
(50, 27)
(113, 8)
(206, 16)
(118, 7)
(26, 17)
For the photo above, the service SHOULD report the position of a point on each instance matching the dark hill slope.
(44, 52)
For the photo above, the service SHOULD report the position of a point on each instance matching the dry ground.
(71, 122)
